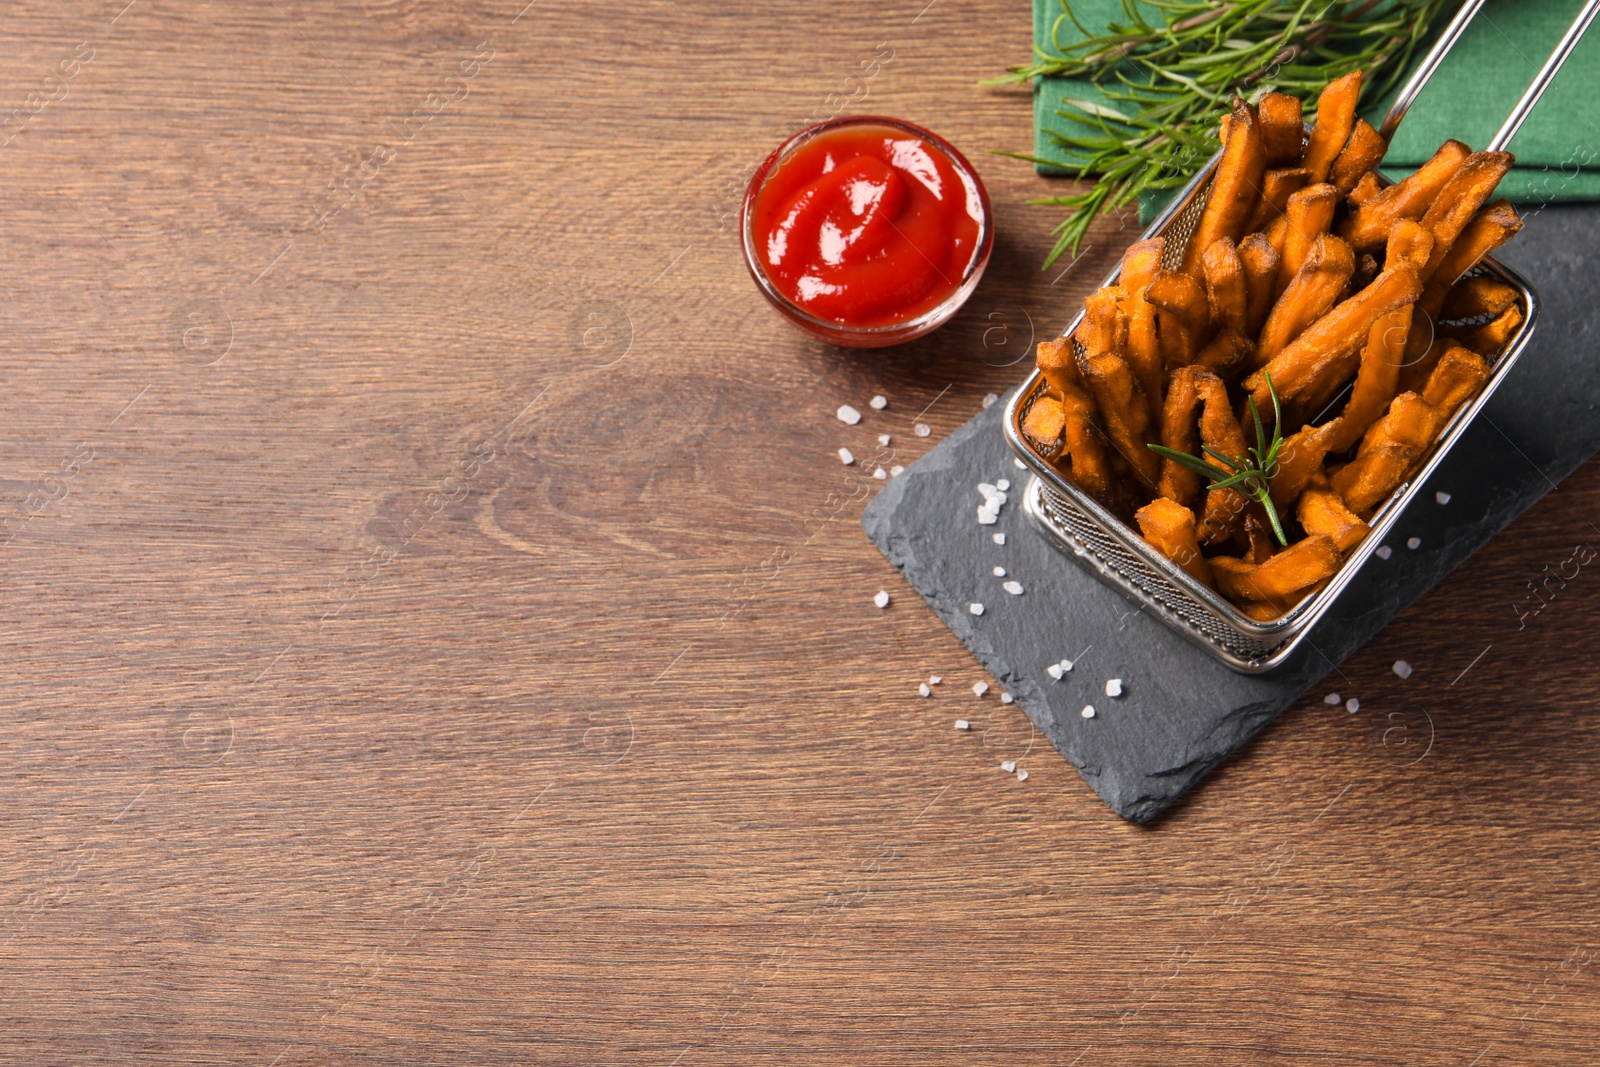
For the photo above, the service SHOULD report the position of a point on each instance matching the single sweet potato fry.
(1365, 189)
(1055, 361)
(1234, 187)
(1123, 410)
(1458, 377)
(1283, 132)
(1322, 511)
(1339, 333)
(1320, 282)
(1361, 153)
(1336, 116)
(1376, 380)
(1045, 423)
(1296, 569)
(1494, 226)
(1219, 431)
(1140, 262)
(1488, 338)
(1260, 262)
(1368, 226)
(1225, 289)
(1389, 448)
(1084, 460)
(1309, 213)
(1459, 201)
(1170, 529)
(1409, 242)
(1276, 188)
(1186, 315)
(1228, 355)
(1104, 327)
(1299, 460)
(1144, 347)
(1180, 430)
(1479, 295)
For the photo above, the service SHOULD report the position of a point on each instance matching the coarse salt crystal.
(1113, 687)
(896, 470)
(999, 538)
(846, 456)
(922, 429)
(1352, 705)
(1383, 552)
(883, 439)
(999, 572)
(848, 415)
(963, 724)
(1402, 668)
(980, 688)
(1009, 765)
(934, 679)
(1013, 587)
(1413, 543)
(1021, 466)
(881, 474)
(1006, 698)
(1054, 671)
(987, 517)
(1442, 497)
(1331, 699)
(882, 598)
(989, 400)
(986, 490)
(1022, 776)
(878, 403)
(1003, 484)
(975, 607)
(1066, 665)
(924, 690)
(1088, 711)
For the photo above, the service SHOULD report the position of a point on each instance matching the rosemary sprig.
(1252, 473)
(1159, 124)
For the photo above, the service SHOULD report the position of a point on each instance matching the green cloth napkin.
(1468, 97)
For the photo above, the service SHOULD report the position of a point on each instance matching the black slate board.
(1183, 713)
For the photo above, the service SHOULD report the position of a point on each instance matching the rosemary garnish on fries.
(1161, 126)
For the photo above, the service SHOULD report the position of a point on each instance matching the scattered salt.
(1021, 466)
(980, 688)
(963, 724)
(1442, 497)
(846, 456)
(986, 517)
(848, 415)
(999, 572)
(1006, 698)
(1383, 551)
(924, 690)
(1066, 665)
(1402, 668)
(934, 679)
(896, 470)
(1088, 711)
(883, 439)
(1003, 484)
(1009, 766)
(1113, 687)
(975, 607)
(1013, 587)
(881, 474)
(882, 599)
(1413, 543)
(999, 538)
(1352, 705)
(1054, 671)
(1022, 776)
(878, 403)
(922, 429)
(989, 400)
(1331, 699)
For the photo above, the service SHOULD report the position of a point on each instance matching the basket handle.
(1452, 32)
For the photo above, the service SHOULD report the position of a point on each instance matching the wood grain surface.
(440, 632)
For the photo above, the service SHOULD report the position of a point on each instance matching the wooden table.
(440, 630)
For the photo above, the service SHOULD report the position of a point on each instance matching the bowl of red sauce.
(866, 231)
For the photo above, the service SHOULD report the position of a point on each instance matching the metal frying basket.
(1117, 553)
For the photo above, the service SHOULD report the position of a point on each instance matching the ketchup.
(867, 225)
